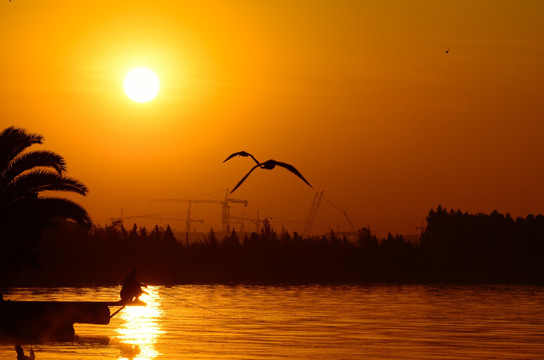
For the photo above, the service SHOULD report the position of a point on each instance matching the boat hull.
(50, 318)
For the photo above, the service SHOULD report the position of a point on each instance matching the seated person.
(132, 289)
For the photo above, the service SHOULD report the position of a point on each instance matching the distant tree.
(133, 235)
(168, 236)
(366, 239)
(144, 237)
(155, 235)
(24, 209)
(211, 239)
(231, 241)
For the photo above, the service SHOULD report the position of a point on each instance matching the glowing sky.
(358, 95)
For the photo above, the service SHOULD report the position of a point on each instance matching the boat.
(54, 319)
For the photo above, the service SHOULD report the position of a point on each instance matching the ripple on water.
(307, 322)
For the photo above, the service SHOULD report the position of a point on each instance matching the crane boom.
(345, 212)
(225, 206)
(314, 208)
(120, 220)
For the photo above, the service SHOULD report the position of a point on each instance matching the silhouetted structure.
(21, 353)
(53, 320)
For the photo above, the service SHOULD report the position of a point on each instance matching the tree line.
(454, 247)
(480, 247)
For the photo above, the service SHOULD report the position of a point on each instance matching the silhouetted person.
(21, 353)
(132, 288)
(268, 165)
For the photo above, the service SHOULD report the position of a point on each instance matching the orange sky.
(358, 95)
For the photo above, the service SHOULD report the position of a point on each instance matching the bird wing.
(233, 155)
(292, 169)
(241, 153)
(244, 178)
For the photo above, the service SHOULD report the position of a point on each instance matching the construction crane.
(345, 212)
(120, 220)
(314, 208)
(257, 221)
(225, 207)
(188, 220)
(178, 219)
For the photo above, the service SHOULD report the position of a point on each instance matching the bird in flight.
(447, 51)
(268, 165)
(241, 153)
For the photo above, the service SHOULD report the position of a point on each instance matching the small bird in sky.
(447, 51)
(268, 165)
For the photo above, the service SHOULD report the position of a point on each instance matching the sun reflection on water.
(140, 329)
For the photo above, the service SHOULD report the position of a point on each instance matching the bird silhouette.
(241, 153)
(268, 165)
(447, 51)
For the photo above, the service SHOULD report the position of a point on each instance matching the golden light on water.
(140, 329)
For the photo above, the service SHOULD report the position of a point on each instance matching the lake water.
(305, 322)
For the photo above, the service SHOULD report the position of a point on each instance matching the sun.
(141, 84)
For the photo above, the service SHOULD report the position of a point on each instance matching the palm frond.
(29, 161)
(50, 207)
(30, 184)
(24, 211)
(14, 141)
(35, 212)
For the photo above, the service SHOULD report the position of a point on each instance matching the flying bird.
(241, 153)
(447, 51)
(268, 165)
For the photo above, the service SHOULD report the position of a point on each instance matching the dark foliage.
(455, 247)
(464, 247)
(25, 178)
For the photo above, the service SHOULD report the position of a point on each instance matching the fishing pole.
(191, 303)
(117, 311)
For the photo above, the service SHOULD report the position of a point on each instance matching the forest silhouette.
(455, 247)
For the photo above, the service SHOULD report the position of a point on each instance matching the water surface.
(305, 322)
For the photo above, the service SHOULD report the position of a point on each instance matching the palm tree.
(24, 209)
